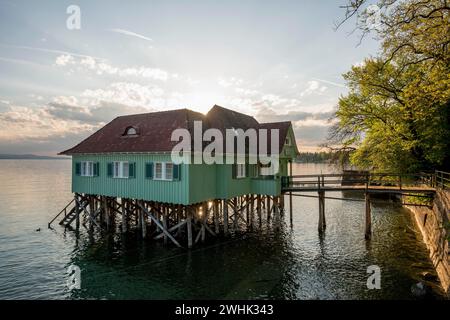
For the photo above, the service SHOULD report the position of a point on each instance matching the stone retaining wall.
(434, 226)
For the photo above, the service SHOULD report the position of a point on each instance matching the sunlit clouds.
(57, 86)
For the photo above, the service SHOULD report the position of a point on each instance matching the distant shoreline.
(29, 157)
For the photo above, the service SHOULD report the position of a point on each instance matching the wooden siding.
(198, 182)
(138, 187)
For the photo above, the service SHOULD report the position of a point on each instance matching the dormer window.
(288, 141)
(131, 131)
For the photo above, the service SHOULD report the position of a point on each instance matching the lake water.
(289, 264)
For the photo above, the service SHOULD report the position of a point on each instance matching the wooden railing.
(367, 179)
(442, 179)
(64, 210)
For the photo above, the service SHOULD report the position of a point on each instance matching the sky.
(274, 60)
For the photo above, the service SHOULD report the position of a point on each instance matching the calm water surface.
(292, 264)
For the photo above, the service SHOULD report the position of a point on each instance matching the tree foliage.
(396, 113)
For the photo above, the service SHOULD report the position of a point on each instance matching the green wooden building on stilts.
(124, 177)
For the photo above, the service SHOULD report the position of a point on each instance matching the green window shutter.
(177, 172)
(78, 168)
(110, 169)
(96, 169)
(132, 168)
(149, 170)
(234, 171)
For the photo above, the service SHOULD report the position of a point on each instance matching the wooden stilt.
(106, 212)
(368, 233)
(91, 213)
(290, 209)
(268, 208)
(143, 220)
(247, 209)
(124, 216)
(189, 227)
(165, 222)
(216, 216)
(204, 219)
(225, 217)
(276, 211)
(78, 212)
(322, 224)
(252, 210)
(258, 209)
(235, 214)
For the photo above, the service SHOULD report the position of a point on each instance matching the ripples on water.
(290, 264)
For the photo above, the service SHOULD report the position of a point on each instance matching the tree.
(396, 114)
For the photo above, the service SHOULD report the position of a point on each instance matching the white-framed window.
(240, 170)
(158, 171)
(169, 171)
(163, 171)
(87, 169)
(120, 169)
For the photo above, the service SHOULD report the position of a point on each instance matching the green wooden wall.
(198, 182)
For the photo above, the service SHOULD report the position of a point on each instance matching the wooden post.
(290, 196)
(247, 209)
(106, 211)
(236, 214)
(225, 217)
(216, 216)
(322, 224)
(268, 208)
(276, 211)
(164, 210)
(189, 226)
(124, 216)
(204, 220)
(139, 215)
(252, 209)
(368, 234)
(78, 211)
(91, 213)
(143, 220)
(290, 209)
(258, 208)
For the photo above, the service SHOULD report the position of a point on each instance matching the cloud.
(64, 60)
(127, 93)
(223, 82)
(132, 34)
(310, 136)
(101, 67)
(313, 86)
(266, 114)
(57, 126)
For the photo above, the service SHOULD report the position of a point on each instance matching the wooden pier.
(417, 185)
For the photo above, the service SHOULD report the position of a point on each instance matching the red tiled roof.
(155, 130)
